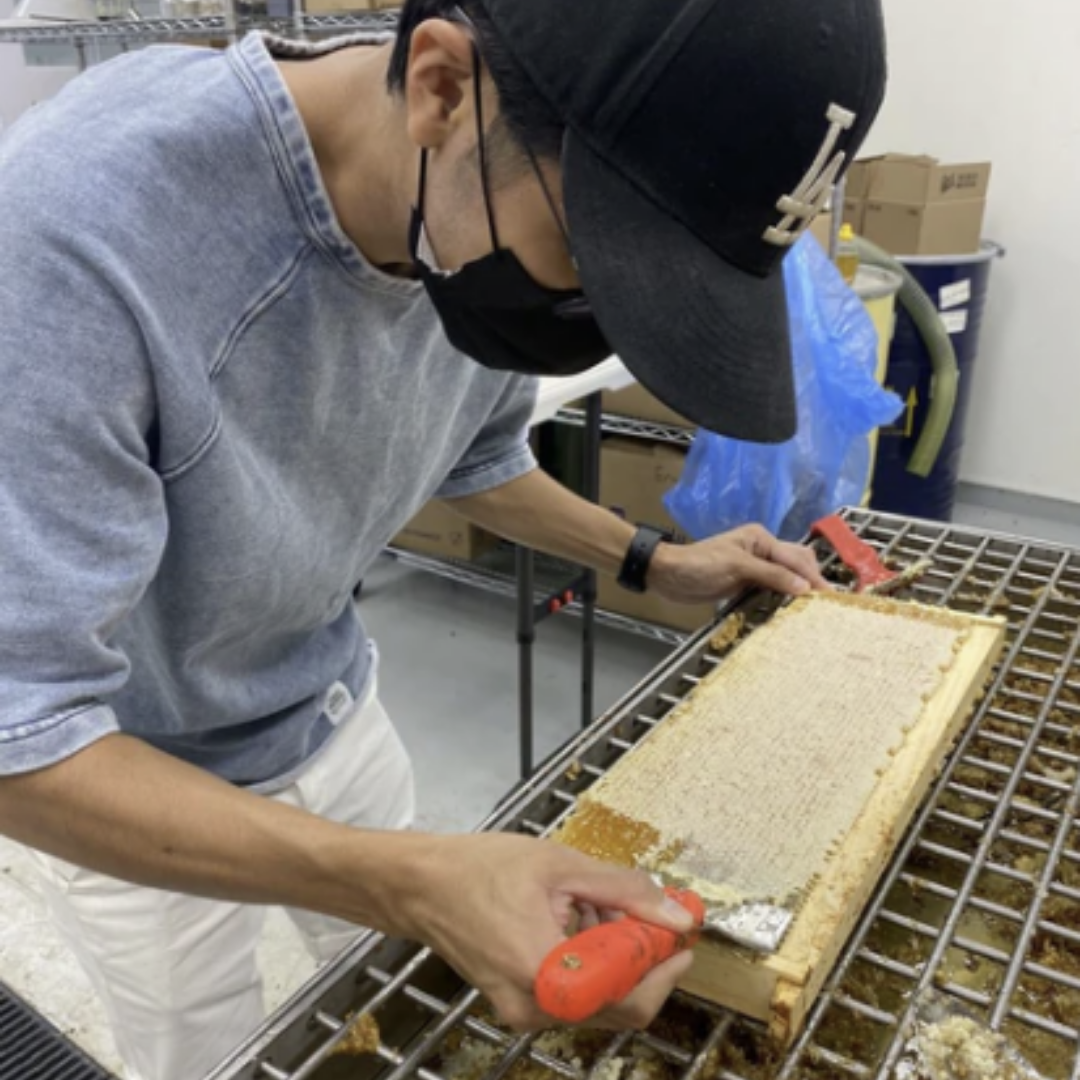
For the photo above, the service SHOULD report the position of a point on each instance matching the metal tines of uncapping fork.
(752, 924)
(871, 574)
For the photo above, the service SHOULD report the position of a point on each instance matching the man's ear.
(438, 76)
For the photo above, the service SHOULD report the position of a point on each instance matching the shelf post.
(526, 635)
(591, 491)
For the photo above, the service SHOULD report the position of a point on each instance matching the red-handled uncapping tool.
(871, 574)
(598, 967)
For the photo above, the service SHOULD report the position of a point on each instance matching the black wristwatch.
(635, 566)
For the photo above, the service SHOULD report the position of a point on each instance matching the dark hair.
(525, 115)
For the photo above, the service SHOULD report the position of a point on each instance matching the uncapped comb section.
(751, 785)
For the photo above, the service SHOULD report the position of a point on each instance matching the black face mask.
(493, 310)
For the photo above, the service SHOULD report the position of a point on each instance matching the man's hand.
(495, 905)
(536, 511)
(492, 905)
(723, 566)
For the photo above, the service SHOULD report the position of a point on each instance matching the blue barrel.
(959, 286)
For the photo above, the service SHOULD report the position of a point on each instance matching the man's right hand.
(492, 905)
(495, 905)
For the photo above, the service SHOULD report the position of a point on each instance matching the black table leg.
(526, 635)
(529, 610)
(591, 491)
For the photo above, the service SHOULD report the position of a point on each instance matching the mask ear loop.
(482, 147)
(422, 185)
(550, 200)
(460, 17)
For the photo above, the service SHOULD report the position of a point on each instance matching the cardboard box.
(858, 178)
(637, 402)
(914, 205)
(437, 530)
(634, 477)
(610, 596)
(921, 180)
(947, 228)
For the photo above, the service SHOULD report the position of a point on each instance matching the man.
(254, 311)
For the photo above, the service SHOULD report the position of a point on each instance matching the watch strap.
(635, 567)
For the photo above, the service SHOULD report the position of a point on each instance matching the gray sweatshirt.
(214, 413)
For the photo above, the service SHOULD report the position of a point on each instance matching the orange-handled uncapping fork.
(598, 967)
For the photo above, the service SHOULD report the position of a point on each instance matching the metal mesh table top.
(982, 899)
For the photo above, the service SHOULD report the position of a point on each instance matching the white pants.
(177, 973)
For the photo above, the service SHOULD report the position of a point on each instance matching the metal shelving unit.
(631, 427)
(131, 31)
(494, 573)
(53, 42)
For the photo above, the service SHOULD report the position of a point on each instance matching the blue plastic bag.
(786, 488)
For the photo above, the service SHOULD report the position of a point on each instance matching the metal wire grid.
(982, 900)
(632, 427)
(132, 31)
(494, 572)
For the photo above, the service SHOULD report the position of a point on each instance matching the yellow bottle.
(847, 256)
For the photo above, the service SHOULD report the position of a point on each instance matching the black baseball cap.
(703, 136)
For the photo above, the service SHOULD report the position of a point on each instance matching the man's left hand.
(721, 567)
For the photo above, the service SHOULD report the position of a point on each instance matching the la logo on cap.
(809, 198)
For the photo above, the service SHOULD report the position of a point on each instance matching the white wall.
(1000, 80)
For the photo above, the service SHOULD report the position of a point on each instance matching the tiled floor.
(449, 679)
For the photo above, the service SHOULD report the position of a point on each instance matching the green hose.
(946, 376)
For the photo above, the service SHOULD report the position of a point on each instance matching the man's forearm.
(537, 511)
(123, 808)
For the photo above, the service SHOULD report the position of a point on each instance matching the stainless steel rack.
(981, 901)
(494, 573)
(631, 427)
(130, 31)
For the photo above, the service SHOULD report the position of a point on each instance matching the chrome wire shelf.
(982, 901)
(631, 427)
(135, 31)
(494, 572)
